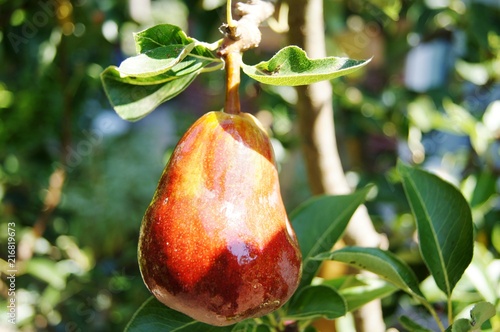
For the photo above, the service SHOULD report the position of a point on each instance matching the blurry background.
(76, 179)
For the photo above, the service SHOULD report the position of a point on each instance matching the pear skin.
(215, 242)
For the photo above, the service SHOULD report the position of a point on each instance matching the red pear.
(215, 242)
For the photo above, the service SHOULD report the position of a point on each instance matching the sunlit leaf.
(481, 312)
(155, 61)
(485, 283)
(319, 223)
(316, 301)
(167, 62)
(383, 263)
(291, 66)
(444, 224)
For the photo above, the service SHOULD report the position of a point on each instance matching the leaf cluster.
(168, 61)
(446, 245)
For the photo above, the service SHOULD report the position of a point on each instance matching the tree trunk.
(316, 125)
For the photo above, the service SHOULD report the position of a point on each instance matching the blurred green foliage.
(429, 97)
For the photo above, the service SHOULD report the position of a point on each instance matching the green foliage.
(316, 236)
(358, 290)
(385, 264)
(83, 274)
(410, 325)
(168, 61)
(291, 67)
(316, 301)
(134, 101)
(153, 315)
(445, 233)
(319, 223)
(479, 314)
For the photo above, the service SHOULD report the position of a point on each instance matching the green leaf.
(319, 223)
(411, 325)
(166, 34)
(155, 61)
(481, 312)
(360, 290)
(250, 325)
(316, 301)
(444, 224)
(167, 62)
(154, 316)
(132, 102)
(160, 35)
(484, 188)
(486, 284)
(383, 263)
(461, 325)
(291, 66)
(191, 64)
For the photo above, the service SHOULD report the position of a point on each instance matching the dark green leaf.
(461, 325)
(132, 102)
(383, 263)
(250, 325)
(444, 224)
(484, 188)
(291, 66)
(154, 316)
(316, 301)
(411, 325)
(319, 223)
(360, 290)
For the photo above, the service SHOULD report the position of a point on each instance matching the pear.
(215, 242)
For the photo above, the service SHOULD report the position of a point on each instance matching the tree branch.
(244, 33)
(316, 125)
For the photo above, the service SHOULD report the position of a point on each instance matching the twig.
(243, 34)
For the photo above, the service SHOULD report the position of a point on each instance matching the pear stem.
(233, 61)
